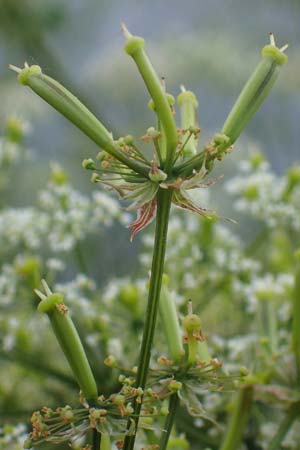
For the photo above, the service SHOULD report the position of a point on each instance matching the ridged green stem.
(239, 419)
(285, 425)
(162, 220)
(168, 425)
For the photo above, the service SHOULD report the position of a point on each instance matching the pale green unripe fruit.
(255, 90)
(175, 385)
(272, 52)
(66, 334)
(133, 44)
(191, 323)
(27, 72)
(188, 104)
(48, 305)
(187, 96)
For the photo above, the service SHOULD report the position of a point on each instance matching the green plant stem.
(239, 418)
(173, 403)
(96, 440)
(162, 220)
(187, 167)
(105, 442)
(284, 427)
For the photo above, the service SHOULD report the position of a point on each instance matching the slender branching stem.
(284, 426)
(239, 419)
(96, 440)
(162, 219)
(168, 425)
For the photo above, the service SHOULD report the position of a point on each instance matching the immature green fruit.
(88, 164)
(133, 44)
(191, 323)
(135, 48)
(197, 346)
(48, 304)
(188, 104)
(255, 90)
(27, 72)
(275, 54)
(70, 106)
(175, 385)
(64, 329)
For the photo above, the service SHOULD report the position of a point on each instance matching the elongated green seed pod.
(135, 48)
(170, 322)
(188, 105)
(255, 90)
(69, 341)
(71, 108)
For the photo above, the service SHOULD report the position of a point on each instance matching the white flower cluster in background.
(62, 218)
(266, 196)
(72, 215)
(22, 228)
(223, 252)
(11, 153)
(79, 294)
(265, 288)
(12, 437)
